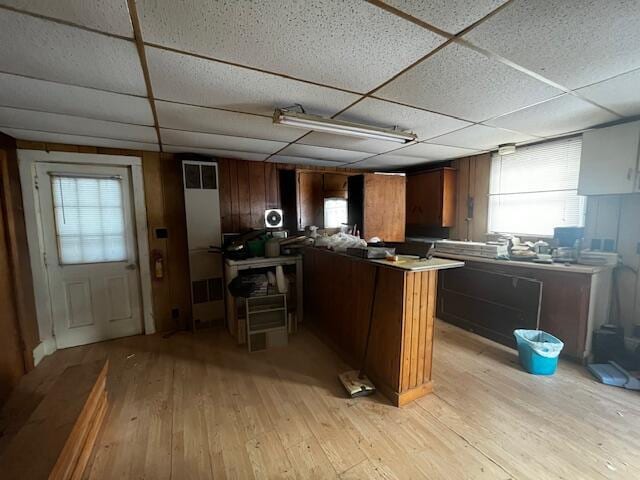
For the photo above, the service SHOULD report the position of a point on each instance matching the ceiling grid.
(465, 76)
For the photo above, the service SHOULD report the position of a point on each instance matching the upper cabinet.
(431, 199)
(377, 205)
(609, 160)
(313, 188)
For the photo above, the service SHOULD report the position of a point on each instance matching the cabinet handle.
(629, 173)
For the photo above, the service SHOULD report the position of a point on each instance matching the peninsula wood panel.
(338, 292)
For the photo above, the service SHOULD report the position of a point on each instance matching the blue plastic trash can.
(538, 351)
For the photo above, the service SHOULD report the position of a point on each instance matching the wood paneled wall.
(246, 189)
(18, 324)
(473, 186)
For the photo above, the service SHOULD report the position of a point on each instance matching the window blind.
(89, 218)
(536, 189)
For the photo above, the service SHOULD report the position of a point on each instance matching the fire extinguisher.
(157, 262)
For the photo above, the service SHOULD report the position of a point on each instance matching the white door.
(90, 251)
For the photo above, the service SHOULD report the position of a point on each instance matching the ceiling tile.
(388, 115)
(430, 151)
(451, 16)
(56, 123)
(49, 137)
(111, 16)
(345, 142)
(221, 142)
(187, 79)
(355, 46)
(50, 51)
(560, 115)
(621, 94)
(572, 42)
(254, 157)
(303, 161)
(463, 83)
(481, 137)
(323, 153)
(28, 93)
(390, 161)
(200, 119)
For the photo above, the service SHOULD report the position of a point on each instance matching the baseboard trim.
(44, 348)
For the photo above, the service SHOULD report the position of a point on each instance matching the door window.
(89, 217)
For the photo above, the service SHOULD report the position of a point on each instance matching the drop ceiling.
(465, 76)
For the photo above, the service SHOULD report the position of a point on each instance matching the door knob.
(131, 266)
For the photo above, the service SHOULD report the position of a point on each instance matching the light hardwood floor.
(196, 406)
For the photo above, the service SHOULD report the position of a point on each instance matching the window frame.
(530, 236)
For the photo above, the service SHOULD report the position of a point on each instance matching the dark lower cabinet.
(493, 300)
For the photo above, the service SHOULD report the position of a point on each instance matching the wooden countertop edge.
(559, 267)
(382, 263)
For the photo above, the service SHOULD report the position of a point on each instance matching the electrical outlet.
(175, 313)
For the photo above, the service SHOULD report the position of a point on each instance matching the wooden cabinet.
(494, 299)
(609, 160)
(376, 204)
(310, 199)
(431, 199)
(312, 189)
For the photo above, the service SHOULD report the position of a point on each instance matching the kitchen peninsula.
(339, 294)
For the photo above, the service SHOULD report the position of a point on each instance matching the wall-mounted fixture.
(339, 127)
(506, 149)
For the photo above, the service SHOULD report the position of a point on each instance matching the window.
(335, 212)
(536, 189)
(89, 218)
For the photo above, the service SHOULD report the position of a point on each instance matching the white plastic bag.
(543, 343)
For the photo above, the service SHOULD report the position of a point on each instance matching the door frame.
(27, 160)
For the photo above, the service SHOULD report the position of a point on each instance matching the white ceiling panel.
(51, 51)
(451, 16)
(572, 42)
(28, 93)
(390, 161)
(110, 16)
(56, 123)
(481, 137)
(388, 115)
(557, 116)
(221, 142)
(345, 142)
(304, 161)
(621, 94)
(187, 79)
(200, 119)
(353, 45)
(463, 83)
(214, 152)
(432, 152)
(323, 153)
(49, 137)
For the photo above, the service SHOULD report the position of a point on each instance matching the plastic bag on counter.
(341, 241)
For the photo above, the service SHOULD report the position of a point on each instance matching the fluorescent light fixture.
(321, 124)
(506, 149)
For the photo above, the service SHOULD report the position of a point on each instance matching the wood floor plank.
(199, 406)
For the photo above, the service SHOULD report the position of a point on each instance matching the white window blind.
(335, 212)
(89, 217)
(536, 189)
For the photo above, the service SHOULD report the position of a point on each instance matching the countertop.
(557, 267)
(407, 263)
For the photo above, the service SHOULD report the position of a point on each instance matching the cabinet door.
(609, 160)
(424, 199)
(310, 200)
